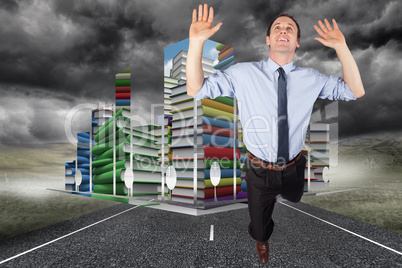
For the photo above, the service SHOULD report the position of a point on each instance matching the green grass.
(372, 163)
(377, 205)
(24, 210)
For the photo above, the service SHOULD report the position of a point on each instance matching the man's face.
(283, 36)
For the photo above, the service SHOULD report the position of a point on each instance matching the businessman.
(275, 99)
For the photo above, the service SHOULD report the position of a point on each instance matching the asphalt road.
(146, 237)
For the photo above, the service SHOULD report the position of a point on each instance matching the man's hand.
(202, 30)
(332, 38)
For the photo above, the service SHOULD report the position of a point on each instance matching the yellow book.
(224, 54)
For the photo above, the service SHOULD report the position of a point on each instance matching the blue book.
(224, 62)
(83, 134)
(243, 186)
(83, 152)
(202, 120)
(204, 139)
(84, 187)
(224, 67)
(82, 159)
(243, 159)
(84, 171)
(123, 103)
(225, 173)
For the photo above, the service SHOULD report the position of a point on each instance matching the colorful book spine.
(123, 89)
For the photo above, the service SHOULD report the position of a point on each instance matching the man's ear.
(267, 40)
(298, 42)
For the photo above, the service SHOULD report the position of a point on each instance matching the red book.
(204, 152)
(123, 96)
(205, 193)
(123, 89)
(224, 49)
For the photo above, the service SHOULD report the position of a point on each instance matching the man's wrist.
(341, 48)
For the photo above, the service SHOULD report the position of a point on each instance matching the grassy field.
(374, 164)
(25, 204)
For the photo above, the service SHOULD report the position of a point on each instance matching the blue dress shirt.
(255, 85)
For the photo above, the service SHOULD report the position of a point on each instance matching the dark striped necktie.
(283, 129)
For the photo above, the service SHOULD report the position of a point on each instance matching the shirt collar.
(273, 66)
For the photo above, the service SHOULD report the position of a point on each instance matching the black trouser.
(263, 185)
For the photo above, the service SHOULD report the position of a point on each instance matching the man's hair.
(284, 15)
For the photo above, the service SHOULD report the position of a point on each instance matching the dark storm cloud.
(69, 51)
(9, 5)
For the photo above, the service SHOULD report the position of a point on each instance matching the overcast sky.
(55, 55)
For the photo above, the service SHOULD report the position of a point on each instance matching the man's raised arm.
(200, 31)
(334, 38)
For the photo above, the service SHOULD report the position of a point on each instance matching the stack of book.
(133, 146)
(70, 176)
(225, 60)
(100, 116)
(178, 70)
(83, 160)
(123, 90)
(164, 141)
(225, 56)
(167, 101)
(318, 139)
(215, 140)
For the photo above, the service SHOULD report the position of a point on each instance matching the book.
(190, 200)
(121, 189)
(139, 176)
(125, 164)
(122, 82)
(204, 139)
(205, 173)
(203, 111)
(225, 53)
(204, 102)
(205, 163)
(123, 89)
(223, 49)
(122, 96)
(228, 55)
(201, 120)
(203, 129)
(178, 89)
(181, 97)
(124, 148)
(123, 76)
(204, 193)
(203, 184)
(123, 102)
(225, 62)
(204, 152)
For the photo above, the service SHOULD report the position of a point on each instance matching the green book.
(225, 100)
(101, 162)
(123, 82)
(107, 177)
(139, 176)
(121, 189)
(124, 164)
(121, 122)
